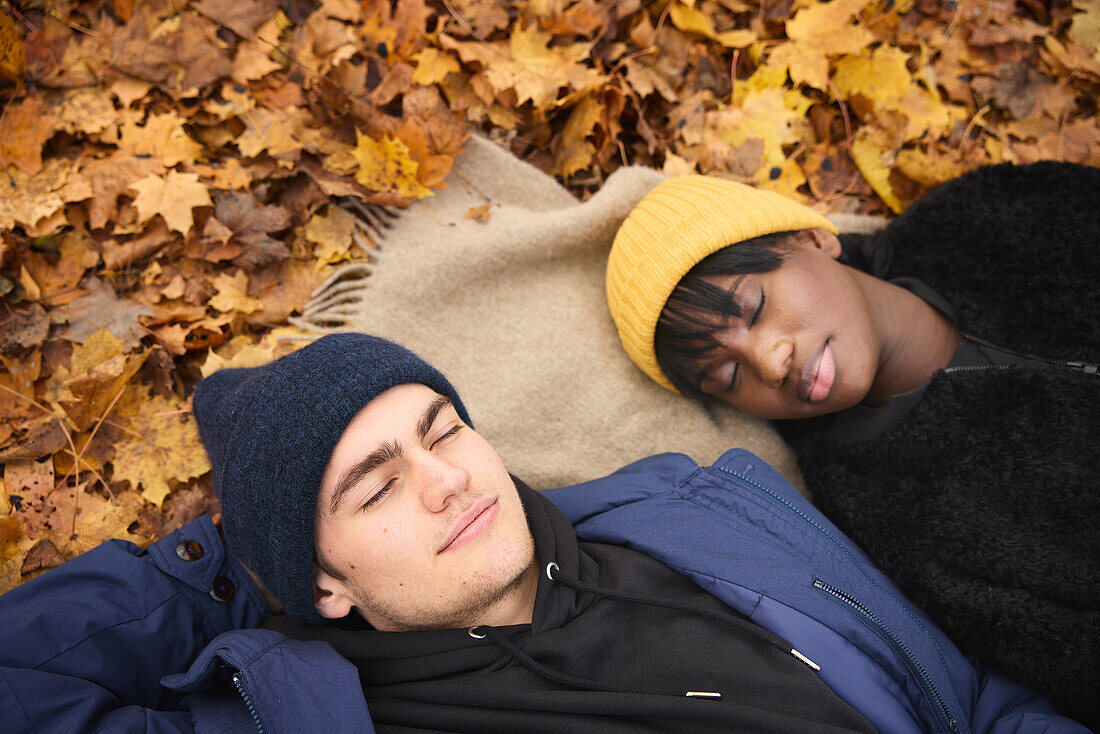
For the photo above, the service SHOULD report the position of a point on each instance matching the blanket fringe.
(335, 301)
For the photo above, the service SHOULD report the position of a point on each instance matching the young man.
(426, 590)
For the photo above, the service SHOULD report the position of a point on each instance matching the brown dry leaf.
(478, 213)
(58, 275)
(289, 291)
(101, 308)
(181, 55)
(230, 177)
(172, 197)
(161, 447)
(275, 131)
(232, 294)
(43, 556)
(240, 16)
(30, 484)
(31, 200)
(162, 136)
(87, 111)
(13, 56)
(23, 327)
(110, 177)
(26, 128)
(251, 224)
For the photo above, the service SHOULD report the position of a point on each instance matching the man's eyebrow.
(386, 452)
(430, 415)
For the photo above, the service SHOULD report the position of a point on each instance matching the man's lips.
(818, 374)
(470, 524)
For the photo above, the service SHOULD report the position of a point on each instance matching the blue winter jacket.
(162, 640)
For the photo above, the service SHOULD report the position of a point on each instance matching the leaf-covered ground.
(173, 169)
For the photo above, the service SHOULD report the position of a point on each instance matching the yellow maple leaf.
(172, 197)
(926, 171)
(433, 66)
(232, 294)
(244, 351)
(385, 165)
(162, 445)
(924, 112)
(817, 32)
(772, 114)
(691, 20)
(98, 369)
(573, 150)
(869, 154)
(538, 72)
(331, 232)
(879, 75)
(162, 136)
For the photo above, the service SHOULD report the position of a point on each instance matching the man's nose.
(772, 359)
(441, 481)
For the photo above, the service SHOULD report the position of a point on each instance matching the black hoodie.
(591, 660)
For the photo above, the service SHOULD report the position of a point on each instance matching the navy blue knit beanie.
(269, 432)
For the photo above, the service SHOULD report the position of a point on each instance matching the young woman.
(945, 371)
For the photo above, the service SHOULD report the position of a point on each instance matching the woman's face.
(806, 343)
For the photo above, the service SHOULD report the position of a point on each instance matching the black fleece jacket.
(589, 662)
(984, 504)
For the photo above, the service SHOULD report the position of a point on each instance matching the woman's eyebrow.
(737, 284)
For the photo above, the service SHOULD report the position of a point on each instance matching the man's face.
(807, 343)
(418, 523)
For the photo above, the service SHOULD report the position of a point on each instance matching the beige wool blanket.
(512, 310)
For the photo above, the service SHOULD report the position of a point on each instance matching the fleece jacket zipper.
(928, 686)
(1077, 366)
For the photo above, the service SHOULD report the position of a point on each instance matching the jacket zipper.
(899, 645)
(947, 721)
(1087, 367)
(238, 681)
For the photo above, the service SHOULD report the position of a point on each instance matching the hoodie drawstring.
(481, 632)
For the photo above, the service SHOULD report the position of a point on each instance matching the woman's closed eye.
(759, 309)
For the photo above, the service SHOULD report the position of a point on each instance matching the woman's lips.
(470, 524)
(818, 374)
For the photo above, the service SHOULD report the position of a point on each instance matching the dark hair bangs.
(697, 309)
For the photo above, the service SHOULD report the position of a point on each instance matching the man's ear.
(824, 240)
(330, 596)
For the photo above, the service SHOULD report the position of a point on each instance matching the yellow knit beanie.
(672, 228)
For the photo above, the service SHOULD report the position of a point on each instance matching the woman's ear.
(330, 596)
(821, 239)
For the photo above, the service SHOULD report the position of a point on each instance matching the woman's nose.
(440, 481)
(772, 359)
